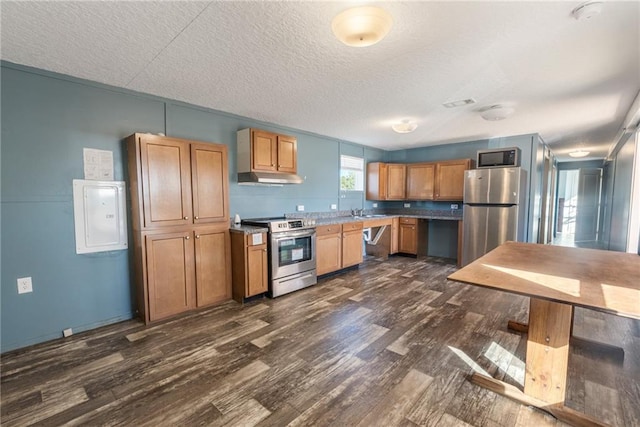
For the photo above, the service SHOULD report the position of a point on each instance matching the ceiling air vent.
(460, 103)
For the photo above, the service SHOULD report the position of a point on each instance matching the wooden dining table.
(556, 279)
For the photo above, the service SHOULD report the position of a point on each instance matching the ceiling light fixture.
(587, 10)
(404, 126)
(496, 112)
(579, 153)
(361, 26)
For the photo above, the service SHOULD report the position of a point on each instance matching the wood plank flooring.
(388, 344)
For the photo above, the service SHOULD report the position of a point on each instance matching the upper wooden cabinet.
(449, 179)
(420, 181)
(209, 183)
(386, 181)
(163, 181)
(176, 182)
(424, 181)
(262, 151)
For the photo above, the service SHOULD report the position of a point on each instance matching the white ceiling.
(571, 81)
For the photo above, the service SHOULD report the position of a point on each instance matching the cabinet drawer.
(412, 221)
(323, 230)
(350, 226)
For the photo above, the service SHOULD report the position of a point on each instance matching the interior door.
(588, 205)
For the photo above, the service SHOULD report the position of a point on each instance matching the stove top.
(277, 224)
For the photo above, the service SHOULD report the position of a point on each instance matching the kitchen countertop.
(431, 215)
(247, 229)
(425, 215)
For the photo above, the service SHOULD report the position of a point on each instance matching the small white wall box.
(99, 209)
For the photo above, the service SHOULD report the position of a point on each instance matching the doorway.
(578, 208)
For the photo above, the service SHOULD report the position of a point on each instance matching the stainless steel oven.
(292, 253)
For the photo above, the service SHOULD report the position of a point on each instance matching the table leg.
(615, 352)
(547, 350)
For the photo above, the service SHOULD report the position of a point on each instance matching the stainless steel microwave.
(499, 158)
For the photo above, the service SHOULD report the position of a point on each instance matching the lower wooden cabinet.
(182, 270)
(328, 248)
(338, 246)
(170, 274)
(213, 262)
(250, 265)
(412, 236)
(351, 244)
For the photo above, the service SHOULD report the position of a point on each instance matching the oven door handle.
(289, 234)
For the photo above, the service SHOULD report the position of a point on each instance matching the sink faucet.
(356, 212)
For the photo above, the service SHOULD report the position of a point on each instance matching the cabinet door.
(408, 242)
(257, 279)
(420, 181)
(376, 181)
(170, 273)
(210, 183)
(450, 179)
(287, 154)
(263, 150)
(395, 235)
(328, 253)
(351, 248)
(396, 178)
(213, 266)
(166, 181)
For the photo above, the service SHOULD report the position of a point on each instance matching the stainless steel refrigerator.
(494, 210)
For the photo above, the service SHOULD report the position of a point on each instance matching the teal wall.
(47, 119)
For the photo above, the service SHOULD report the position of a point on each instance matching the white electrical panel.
(99, 209)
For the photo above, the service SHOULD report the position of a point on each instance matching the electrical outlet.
(375, 205)
(67, 332)
(25, 285)
(454, 206)
(334, 206)
(300, 208)
(407, 205)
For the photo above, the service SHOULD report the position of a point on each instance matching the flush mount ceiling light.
(361, 26)
(587, 10)
(579, 153)
(404, 126)
(496, 112)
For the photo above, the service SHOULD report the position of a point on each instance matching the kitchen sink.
(369, 216)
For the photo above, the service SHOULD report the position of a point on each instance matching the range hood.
(268, 178)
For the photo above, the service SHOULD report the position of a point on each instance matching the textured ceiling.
(571, 81)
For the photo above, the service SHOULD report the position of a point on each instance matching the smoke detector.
(587, 10)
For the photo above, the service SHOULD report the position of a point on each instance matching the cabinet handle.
(195, 217)
(197, 236)
(272, 164)
(186, 217)
(264, 250)
(186, 237)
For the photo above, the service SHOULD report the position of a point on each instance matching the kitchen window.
(351, 173)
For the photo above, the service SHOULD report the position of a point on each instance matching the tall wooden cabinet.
(180, 218)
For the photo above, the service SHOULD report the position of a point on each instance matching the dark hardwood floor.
(388, 344)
